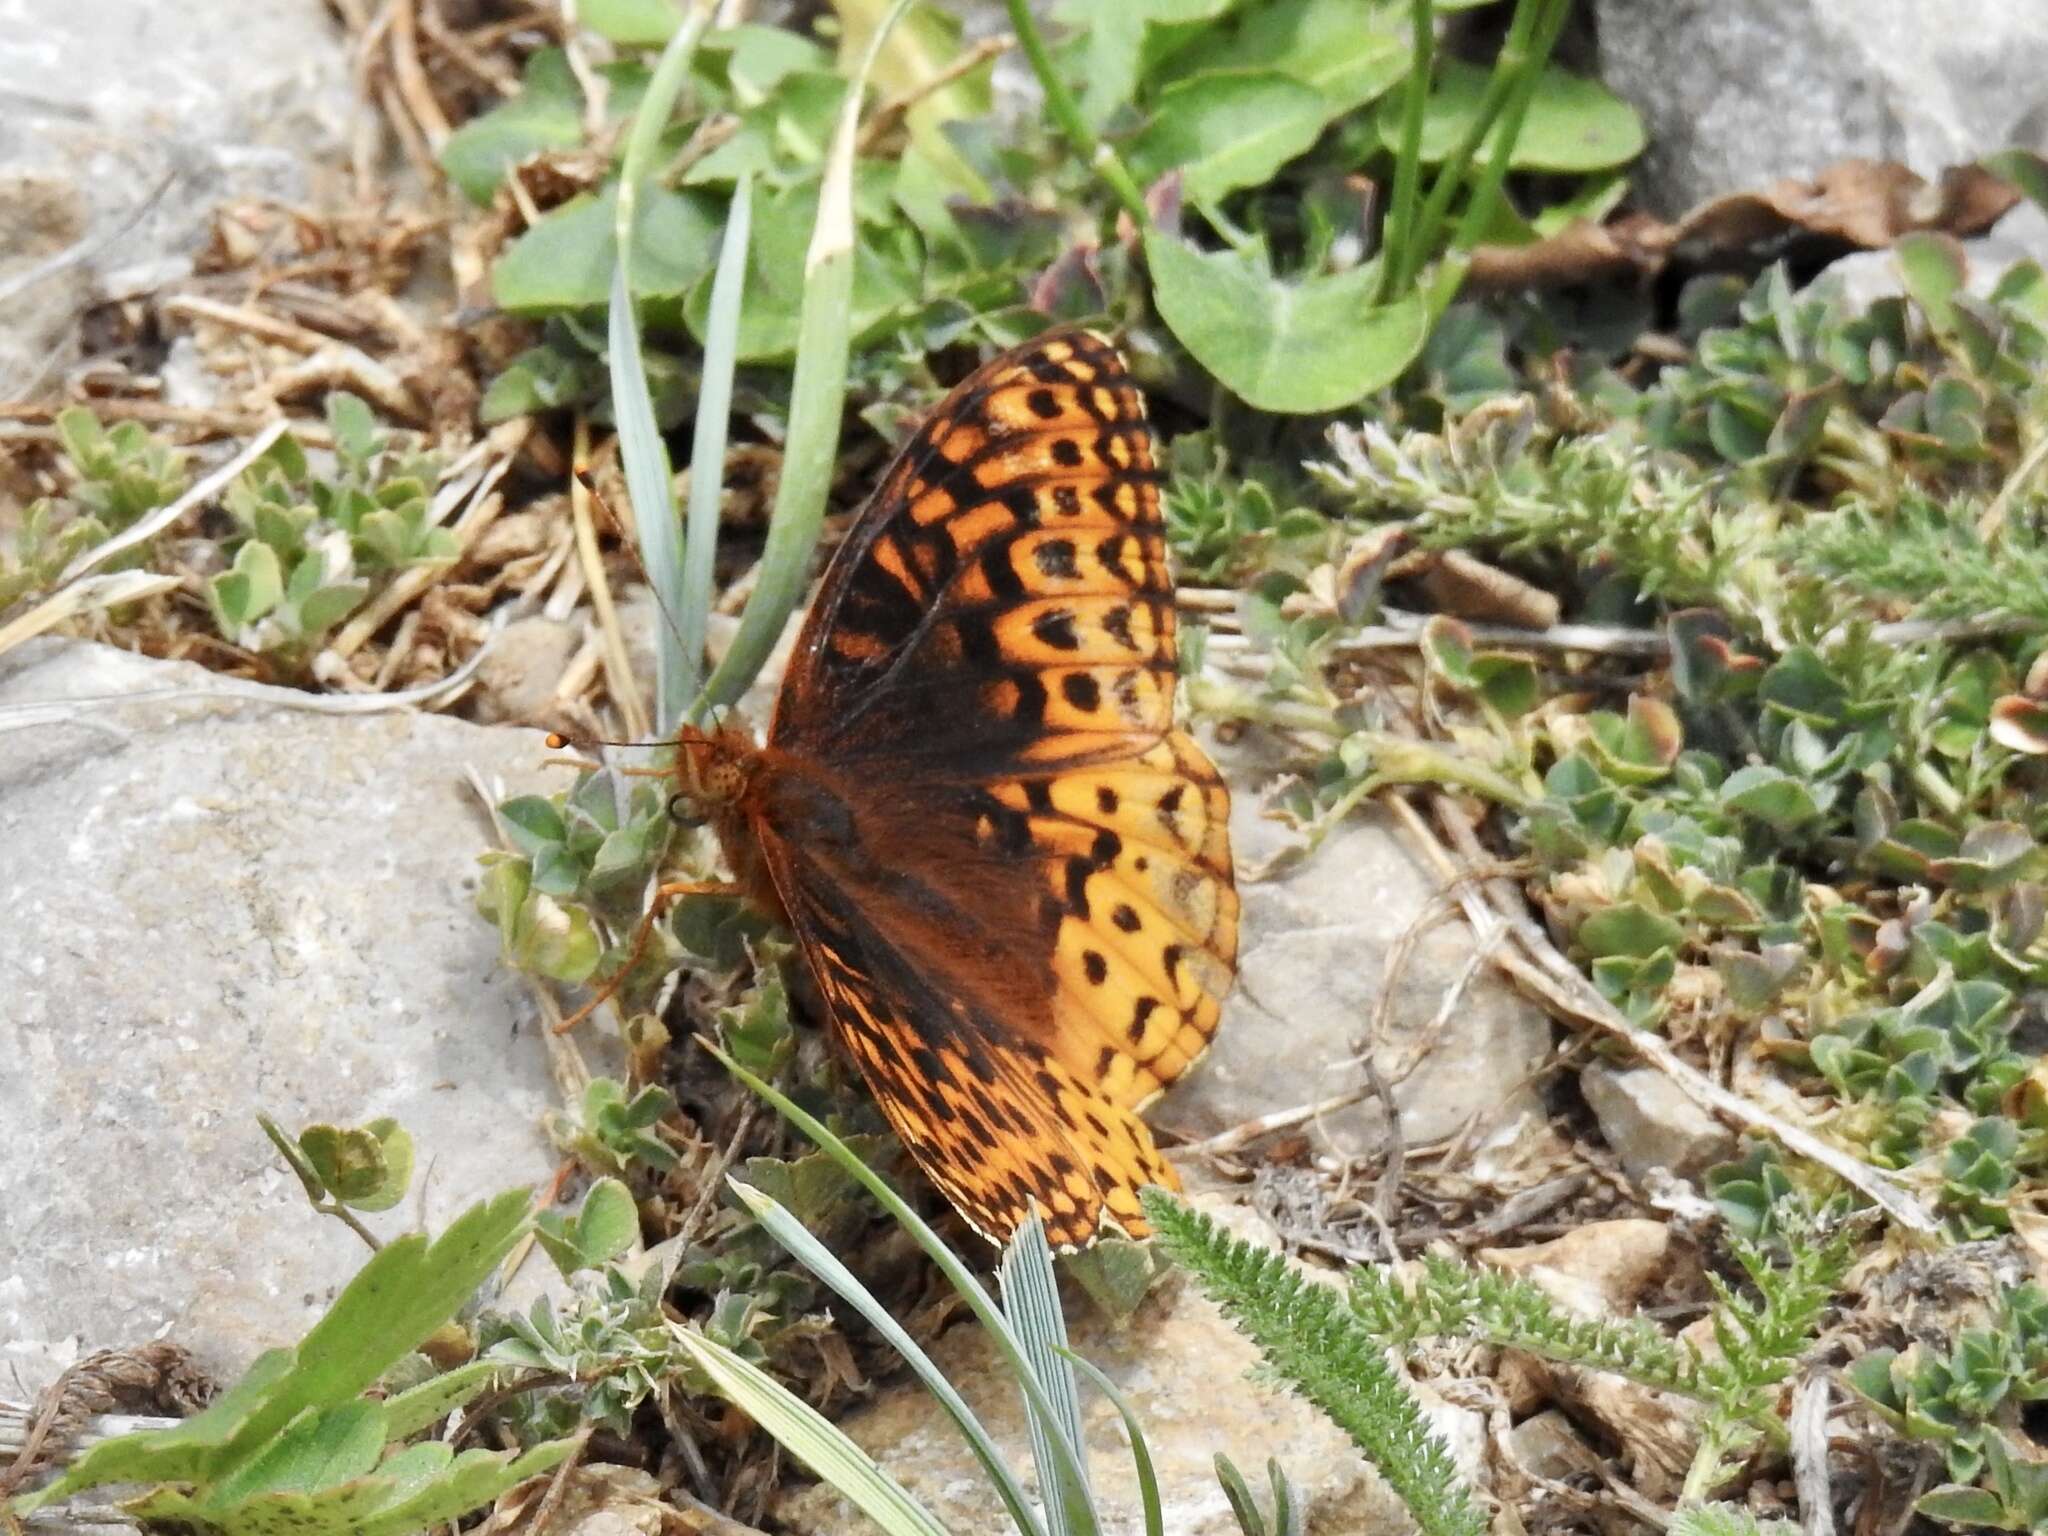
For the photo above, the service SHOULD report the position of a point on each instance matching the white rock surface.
(1740, 92)
(1312, 964)
(1652, 1123)
(112, 108)
(215, 907)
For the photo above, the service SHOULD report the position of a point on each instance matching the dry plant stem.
(1559, 984)
(1808, 1427)
(85, 596)
(157, 521)
(484, 71)
(714, 1181)
(618, 665)
(411, 75)
(558, 1485)
(891, 112)
(337, 363)
(245, 318)
(1993, 520)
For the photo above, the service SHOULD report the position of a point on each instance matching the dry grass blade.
(78, 597)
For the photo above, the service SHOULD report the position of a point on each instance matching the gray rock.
(220, 906)
(1651, 1123)
(123, 123)
(1737, 93)
(1315, 938)
(1864, 277)
(1183, 1369)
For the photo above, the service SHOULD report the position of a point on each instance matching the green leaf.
(1228, 130)
(609, 1222)
(410, 1411)
(1934, 269)
(546, 114)
(1573, 124)
(533, 823)
(367, 1166)
(409, 1288)
(634, 23)
(771, 303)
(556, 940)
(1115, 39)
(1628, 928)
(1771, 796)
(1293, 348)
(1350, 51)
(256, 563)
(565, 261)
(810, 1437)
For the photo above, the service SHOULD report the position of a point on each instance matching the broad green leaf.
(758, 59)
(1114, 44)
(1573, 124)
(609, 1222)
(565, 261)
(1294, 348)
(546, 114)
(555, 940)
(317, 1450)
(919, 49)
(407, 1290)
(636, 23)
(434, 1399)
(1351, 51)
(1228, 130)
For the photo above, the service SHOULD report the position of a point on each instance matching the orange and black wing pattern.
(1010, 873)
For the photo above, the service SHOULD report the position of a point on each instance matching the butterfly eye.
(682, 810)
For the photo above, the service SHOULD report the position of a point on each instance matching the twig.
(243, 317)
(893, 111)
(1251, 1130)
(558, 1486)
(411, 75)
(715, 1179)
(618, 664)
(149, 527)
(1993, 520)
(1807, 1425)
(79, 597)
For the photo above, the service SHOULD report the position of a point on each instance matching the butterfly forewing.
(1010, 874)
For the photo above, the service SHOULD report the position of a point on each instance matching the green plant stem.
(1065, 111)
(817, 398)
(1517, 58)
(1485, 197)
(707, 451)
(1399, 231)
(642, 452)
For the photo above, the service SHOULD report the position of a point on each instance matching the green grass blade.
(950, 1263)
(642, 453)
(817, 397)
(819, 1260)
(1031, 1301)
(1153, 1511)
(811, 1438)
(707, 451)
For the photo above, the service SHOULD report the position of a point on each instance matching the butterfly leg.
(665, 896)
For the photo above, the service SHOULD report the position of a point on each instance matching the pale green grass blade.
(1149, 1505)
(642, 453)
(950, 1263)
(818, 1259)
(811, 1438)
(1031, 1301)
(816, 398)
(707, 451)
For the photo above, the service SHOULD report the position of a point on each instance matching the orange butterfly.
(1008, 872)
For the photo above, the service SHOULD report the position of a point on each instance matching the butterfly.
(1007, 871)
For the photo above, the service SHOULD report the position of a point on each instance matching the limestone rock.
(1653, 1123)
(1737, 93)
(123, 123)
(1600, 1269)
(1182, 1367)
(1314, 942)
(220, 906)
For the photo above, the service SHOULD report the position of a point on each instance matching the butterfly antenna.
(632, 549)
